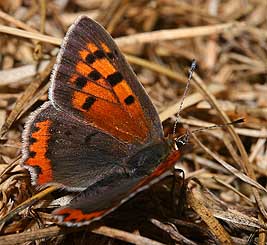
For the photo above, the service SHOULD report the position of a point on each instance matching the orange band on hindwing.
(77, 215)
(37, 152)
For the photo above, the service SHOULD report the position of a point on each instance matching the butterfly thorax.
(145, 161)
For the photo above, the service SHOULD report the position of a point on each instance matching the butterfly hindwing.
(93, 203)
(60, 149)
(93, 82)
(97, 200)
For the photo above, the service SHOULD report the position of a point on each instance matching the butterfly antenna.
(191, 71)
(241, 120)
(183, 139)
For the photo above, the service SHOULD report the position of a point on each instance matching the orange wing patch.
(117, 122)
(92, 75)
(105, 47)
(128, 100)
(84, 69)
(89, 88)
(37, 152)
(77, 215)
(79, 100)
(92, 47)
(104, 96)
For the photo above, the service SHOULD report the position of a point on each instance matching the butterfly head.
(181, 141)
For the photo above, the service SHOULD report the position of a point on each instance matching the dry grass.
(224, 196)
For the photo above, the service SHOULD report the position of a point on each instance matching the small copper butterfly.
(99, 134)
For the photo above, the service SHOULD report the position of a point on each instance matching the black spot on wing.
(37, 169)
(35, 128)
(129, 100)
(32, 140)
(88, 103)
(99, 54)
(114, 78)
(94, 75)
(80, 82)
(32, 154)
(90, 58)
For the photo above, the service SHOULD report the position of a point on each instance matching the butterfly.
(99, 134)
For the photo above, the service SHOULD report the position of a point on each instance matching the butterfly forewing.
(93, 81)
